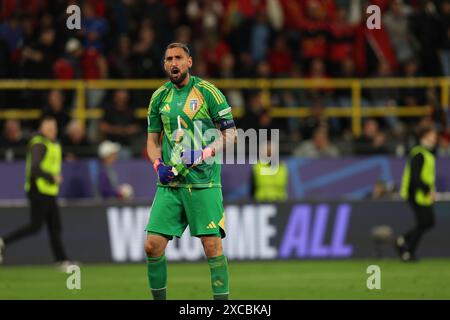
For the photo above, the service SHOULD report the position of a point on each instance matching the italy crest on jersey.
(194, 104)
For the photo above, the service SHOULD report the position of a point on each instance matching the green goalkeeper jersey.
(197, 107)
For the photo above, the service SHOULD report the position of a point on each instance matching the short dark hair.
(426, 130)
(46, 117)
(179, 45)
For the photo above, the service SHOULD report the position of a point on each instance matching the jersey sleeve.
(154, 123)
(219, 108)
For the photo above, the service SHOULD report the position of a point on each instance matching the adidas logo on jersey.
(166, 108)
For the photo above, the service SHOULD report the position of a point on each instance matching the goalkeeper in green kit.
(184, 158)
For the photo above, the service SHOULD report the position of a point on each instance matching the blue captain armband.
(226, 124)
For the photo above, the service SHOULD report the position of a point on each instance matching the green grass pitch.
(427, 279)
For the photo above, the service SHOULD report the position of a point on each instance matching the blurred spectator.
(81, 63)
(155, 11)
(318, 147)
(280, 57)
(245, 66)
(55, 108)
(200, 69)
(69, 66)
(347, 69)
(38, 58)
(227, 67)
(107, 183)
(372, 140)
(289, 99)
(411, 96)
(174, 19)
(263, 70)
(426, 28)
(373, 46)
(342, 39)
(444, 43)
(443, 148)
(118, 123)
(11, 32)
(227, 71)
(383, 96)
(12, 141)
(313, 23)
(183, 34)
(127, 14)
(395, 20)
(259, 37)
(213, 51)
(257, 116)
(317, 71)
(147, 55)
(439, 116)
(317, 119)
(93, 28)
(120, 60)
(205, 14)
(29, 31)
(75, 145)
(382, 190)
(95, 67)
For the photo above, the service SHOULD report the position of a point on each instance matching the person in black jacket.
(43, 177)
(418, 189)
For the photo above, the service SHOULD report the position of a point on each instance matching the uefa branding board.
(253, 232)
(267, 231)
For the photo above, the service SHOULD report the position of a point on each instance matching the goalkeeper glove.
(165, 173)
(191, 158)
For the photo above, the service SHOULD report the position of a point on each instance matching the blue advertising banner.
(351, 178)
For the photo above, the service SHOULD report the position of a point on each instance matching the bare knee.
(155, 245)
(212, 246)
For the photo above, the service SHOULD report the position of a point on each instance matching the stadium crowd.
(312, 39)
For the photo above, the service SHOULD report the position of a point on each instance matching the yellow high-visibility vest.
(271, 187)
(51, 163)
(427, 175)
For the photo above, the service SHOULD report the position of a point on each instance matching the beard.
(177, 78)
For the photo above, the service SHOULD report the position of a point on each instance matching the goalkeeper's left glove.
(191, 158)
(164, 172)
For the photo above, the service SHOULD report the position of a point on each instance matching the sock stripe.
(158, 289)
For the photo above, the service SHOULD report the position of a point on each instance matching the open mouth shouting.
(175, 71)
(176, 76)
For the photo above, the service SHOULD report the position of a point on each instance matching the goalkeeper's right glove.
(165, 173)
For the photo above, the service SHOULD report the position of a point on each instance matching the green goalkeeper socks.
(219, 277)
(157, 276)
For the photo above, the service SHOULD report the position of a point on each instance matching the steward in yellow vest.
(419, 177)
(43, 166)
(42, 180)
(269, 187)
(418, 189)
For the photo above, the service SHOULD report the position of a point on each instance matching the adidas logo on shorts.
(211, 225)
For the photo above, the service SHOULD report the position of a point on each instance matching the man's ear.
(190, 62)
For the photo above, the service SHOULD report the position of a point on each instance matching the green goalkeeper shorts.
(174, 209)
